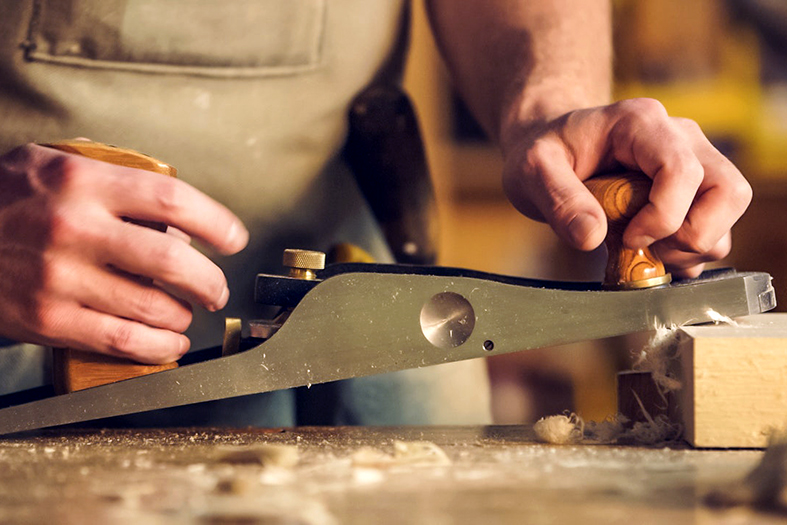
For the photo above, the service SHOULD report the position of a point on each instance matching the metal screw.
(303, 264)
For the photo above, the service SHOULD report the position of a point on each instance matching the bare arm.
(516, 62)
(537, 75)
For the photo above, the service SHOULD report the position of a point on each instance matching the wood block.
(640, 398)
(76, 370)
(734, 379)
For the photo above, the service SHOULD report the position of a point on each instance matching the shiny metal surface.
(303, 264)
(359, 324)
(306, 259)
(447, 320)
(232, 334)
(661, 280)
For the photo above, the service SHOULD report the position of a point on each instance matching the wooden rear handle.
(622, 196)
(76, 369)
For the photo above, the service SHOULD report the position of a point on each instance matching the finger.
(152, 196)
(158, 256)
(109, 292)
(180, 234)
(98, 332)
(722, 199)
(687, 272)
(677, 175)
(709, 221)
(683, 263)
(550, 183)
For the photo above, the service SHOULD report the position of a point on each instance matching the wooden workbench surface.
(495, 475)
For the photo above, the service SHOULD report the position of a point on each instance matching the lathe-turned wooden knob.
(622, 196)
(72, 369)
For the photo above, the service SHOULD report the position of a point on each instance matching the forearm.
(517, 62)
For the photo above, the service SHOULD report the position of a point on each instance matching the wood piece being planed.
(734, 379)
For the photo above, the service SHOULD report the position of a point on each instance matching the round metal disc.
(447, 320)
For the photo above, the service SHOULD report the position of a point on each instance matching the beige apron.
(247, 98)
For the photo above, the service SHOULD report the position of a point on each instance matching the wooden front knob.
(76, 369)
(622, 196)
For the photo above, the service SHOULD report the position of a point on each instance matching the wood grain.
(622, 196)
(734, 382)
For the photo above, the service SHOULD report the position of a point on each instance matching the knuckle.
(688, 125)
(182, 320)
(48, 318)
(65, 227)
(667, 222)
(698, 244)
(741, 194)
(702, 243)
(54, 273)
(121, 339)
(64, 172)
(647, 108)
(539, 153)
(687, 165)
(168, 258)
(147, 305)
(169, 196)
(152, 305)
(564, 207)
(20, 157)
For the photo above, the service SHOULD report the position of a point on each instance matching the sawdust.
(607, 431)
(656, 357)
(266, 455)
(572, 429)
(235, 485)
(368, 457)
(419, 453)
(404, 453)
(495, 476)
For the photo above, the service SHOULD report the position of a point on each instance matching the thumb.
(552, 192)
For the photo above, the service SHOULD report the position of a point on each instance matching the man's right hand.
(70, 266)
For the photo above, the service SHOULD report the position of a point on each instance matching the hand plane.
(357, 319)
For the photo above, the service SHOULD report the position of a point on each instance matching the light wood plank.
(734, 381)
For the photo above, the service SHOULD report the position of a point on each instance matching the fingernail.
(185, 344)
(225, 296)
(581, 227)
(238, 236)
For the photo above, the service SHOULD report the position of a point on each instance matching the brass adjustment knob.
(303, 264)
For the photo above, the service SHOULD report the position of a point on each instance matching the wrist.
(534, 107)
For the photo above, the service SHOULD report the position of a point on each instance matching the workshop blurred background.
(722, 63)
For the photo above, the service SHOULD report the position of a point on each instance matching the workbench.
(492, 474)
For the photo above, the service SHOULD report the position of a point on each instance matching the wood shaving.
(419, 453)
(559, 429)
(404, 453)
(656, 356)
(266, 455)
